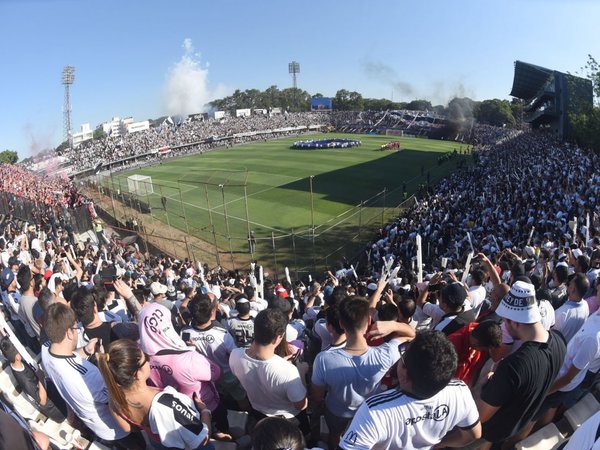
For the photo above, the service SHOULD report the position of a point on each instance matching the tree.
(591, 70)
(460, 109)
(62, 146)
(419, 105)
(439, 109)
(9, 157)
(294, 99)
(381, 104)
(271, 97)
(585, 129)
(516, 106)
(348, 101)
(99, 133)
(495, 112)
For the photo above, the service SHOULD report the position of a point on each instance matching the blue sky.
(132, 58)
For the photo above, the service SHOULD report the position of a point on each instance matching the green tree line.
(585, 123)
(493, 112)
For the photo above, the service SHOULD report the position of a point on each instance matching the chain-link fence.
(78, 218)
(216, 227)
(341, 238)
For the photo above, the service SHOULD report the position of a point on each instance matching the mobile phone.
(108, 277)
(294, 358)
(185, 336)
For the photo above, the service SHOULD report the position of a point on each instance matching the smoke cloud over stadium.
(440, 93)
(388, 75)
(39, 141)
(187, 89)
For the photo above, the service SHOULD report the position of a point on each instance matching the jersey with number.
(395, 420)
(242, 331)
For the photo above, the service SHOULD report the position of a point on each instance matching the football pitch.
(279, 194)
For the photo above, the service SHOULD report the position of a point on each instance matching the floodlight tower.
(68, 76)
(294, 69)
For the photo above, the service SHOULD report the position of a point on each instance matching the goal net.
(140, 185)
(392, 132)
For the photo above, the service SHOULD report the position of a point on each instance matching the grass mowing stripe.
(278, 184)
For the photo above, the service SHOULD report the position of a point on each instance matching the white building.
(85, 134)
(242, 112)
(134, 127)
(115, 127)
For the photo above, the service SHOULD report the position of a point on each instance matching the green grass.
(277, 182)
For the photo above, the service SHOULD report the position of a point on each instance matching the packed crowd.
(192, 136)
(527, 191)
(42, 189)
(488, 340)
(169, 134)
(412, 122)
(482, 134)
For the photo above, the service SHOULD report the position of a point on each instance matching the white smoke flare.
(187, 90)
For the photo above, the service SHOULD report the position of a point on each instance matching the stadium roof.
(528, 80)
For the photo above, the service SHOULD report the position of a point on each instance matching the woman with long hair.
(168, 417)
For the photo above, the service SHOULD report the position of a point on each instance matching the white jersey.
(394, 420)
(320, 329)
(258, 304)
(583, 352)
(242, 330)
(174, 418)
(547, 313)
(477, 295)
(80, 383)
(214, 342)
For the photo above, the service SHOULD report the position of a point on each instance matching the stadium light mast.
(68, 77)
(294, 70)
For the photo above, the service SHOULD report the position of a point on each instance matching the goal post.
(140, 185)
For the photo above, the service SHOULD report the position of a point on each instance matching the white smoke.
(187, 89)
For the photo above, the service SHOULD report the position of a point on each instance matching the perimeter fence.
(216, 227)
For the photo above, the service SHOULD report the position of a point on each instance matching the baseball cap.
(520, 305)
(156, 288)
(281, 291)
(7, 277)
(241, 300)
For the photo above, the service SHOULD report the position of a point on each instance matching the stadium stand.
(518, 214)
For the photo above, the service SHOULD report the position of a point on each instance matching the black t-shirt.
(28, 381)
(519, 385)
(104, 332)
